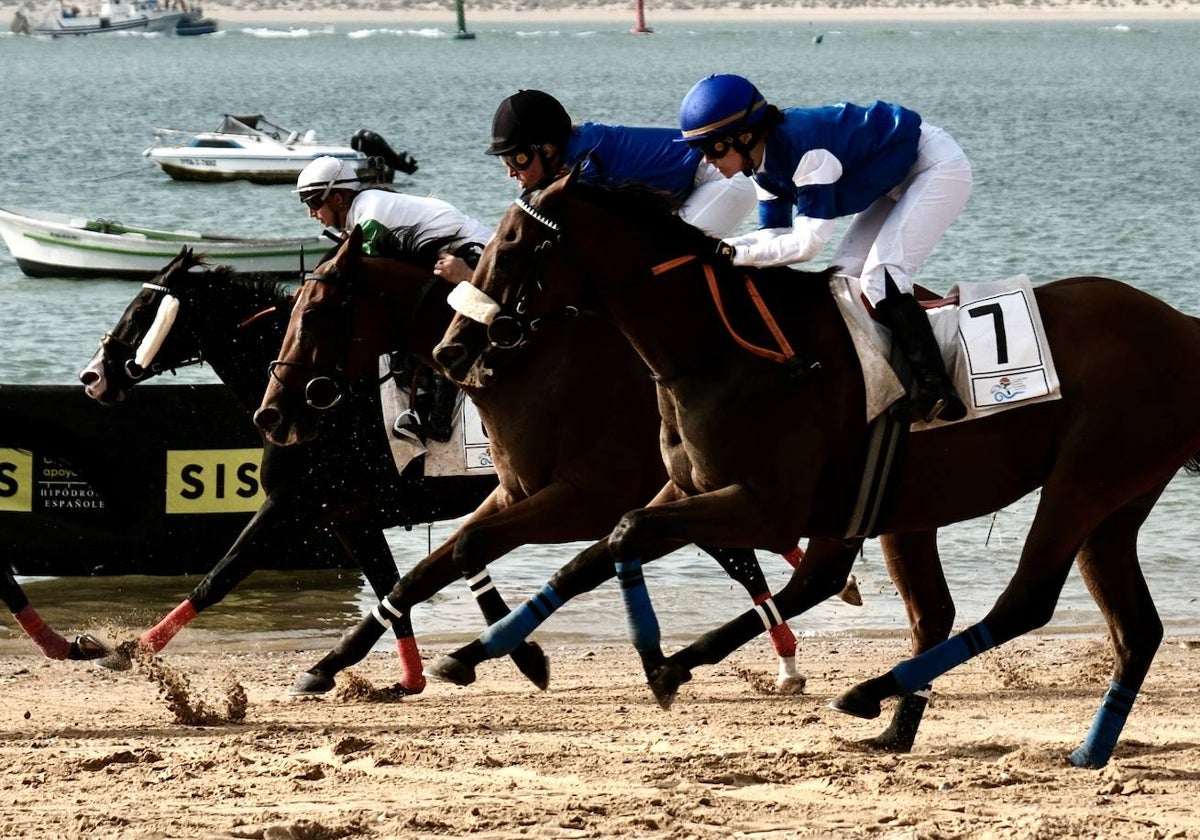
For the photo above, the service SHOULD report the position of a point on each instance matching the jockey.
(334, 196)
(533, 135)
(331, 191)
(903, 180)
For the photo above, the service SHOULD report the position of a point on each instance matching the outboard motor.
(376, 148)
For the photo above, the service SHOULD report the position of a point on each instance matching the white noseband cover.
(472, 303)
(168, 308)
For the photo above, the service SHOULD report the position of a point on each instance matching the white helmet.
(322, 175)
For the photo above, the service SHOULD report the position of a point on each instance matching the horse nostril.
(89, 377)
(267, 419)
(447, 354)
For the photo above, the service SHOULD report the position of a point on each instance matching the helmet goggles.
(520, 159)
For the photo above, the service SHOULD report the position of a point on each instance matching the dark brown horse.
(572, 456)
(758, 457)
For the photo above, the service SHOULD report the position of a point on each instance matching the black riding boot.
(441, 415)
(935, 397)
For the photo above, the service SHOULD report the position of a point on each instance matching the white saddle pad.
(468, 452)
(992, 341)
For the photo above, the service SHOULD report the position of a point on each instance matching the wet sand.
(90, 753)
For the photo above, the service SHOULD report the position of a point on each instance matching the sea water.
(1082, 138)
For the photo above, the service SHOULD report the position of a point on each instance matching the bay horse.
(346, 483)
(573, 453)
(758, 457)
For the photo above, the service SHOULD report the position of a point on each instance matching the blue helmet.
(720, 104)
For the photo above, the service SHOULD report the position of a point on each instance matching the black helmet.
(529, 118)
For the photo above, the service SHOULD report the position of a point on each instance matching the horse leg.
(914, 566)
(821, 574)
(742, 565)
(556, 513)
(428, 577)
(276, 519)
(1108, 564)
(590, 568)
(50, 643)
(1059, 527)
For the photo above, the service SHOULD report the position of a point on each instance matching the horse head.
(509, 298)
(339, 328)
(143, 342)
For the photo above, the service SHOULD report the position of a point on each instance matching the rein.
(772, 355)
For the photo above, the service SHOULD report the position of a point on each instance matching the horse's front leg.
(726, 518)
(276, 521)
(556, 513)
(432, 574)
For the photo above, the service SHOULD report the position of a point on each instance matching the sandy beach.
(89, 753)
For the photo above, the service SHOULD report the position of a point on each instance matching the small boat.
(48, 244)
(253, 148)
(78, 17)
(195, 23)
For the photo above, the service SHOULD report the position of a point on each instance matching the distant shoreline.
(620, 13)
(300, 12)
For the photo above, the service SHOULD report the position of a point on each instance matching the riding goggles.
(713, 147)
(520, 160)
(315, 201)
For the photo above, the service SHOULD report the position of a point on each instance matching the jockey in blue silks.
(903, 180)
(534, 137)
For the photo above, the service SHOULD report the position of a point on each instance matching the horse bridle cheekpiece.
(507, 331)
(322, 391)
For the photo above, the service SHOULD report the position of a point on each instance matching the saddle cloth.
(468, 452)
(992, 340)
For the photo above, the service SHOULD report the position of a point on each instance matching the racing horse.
(758, 456)
(346, 483)
(573, 453)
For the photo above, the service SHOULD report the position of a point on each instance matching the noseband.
(508, 330)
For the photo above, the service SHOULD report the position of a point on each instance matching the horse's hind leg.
(52, 645)
(742, 565)
(1108, 564)
(916, 571)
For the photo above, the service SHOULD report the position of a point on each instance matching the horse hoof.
(311, 684)
(448, 669)
(532, 662)
(665, 684)
(117, 660)
(858, 703)
(86, 646)
(850, 592)
(791, 685)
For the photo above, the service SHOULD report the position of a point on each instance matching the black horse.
(345, 483)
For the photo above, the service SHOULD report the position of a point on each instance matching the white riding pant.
(899, 230)
(718, 205)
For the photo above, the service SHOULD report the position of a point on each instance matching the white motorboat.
(94, 17)
(48, 244)
(253, 148)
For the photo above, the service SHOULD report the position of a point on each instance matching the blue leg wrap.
(1101, 739)
(921, 670)
(503, 637)
(643, 623)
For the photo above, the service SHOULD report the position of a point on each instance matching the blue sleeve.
(776, 213)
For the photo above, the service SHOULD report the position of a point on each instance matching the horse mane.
(657, 210)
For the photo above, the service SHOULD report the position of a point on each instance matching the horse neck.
(419, 313)
(214, 314)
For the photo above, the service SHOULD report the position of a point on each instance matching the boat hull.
(58, 246)
(256, 171)
(92, 25)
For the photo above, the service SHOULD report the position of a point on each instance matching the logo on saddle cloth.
(992, 340)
